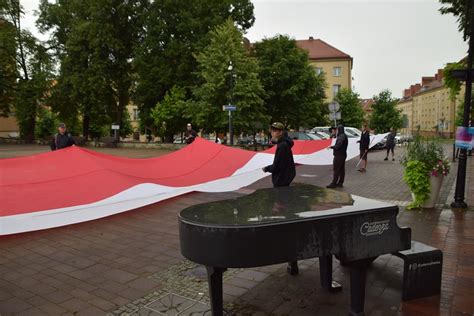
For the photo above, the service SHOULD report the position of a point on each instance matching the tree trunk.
(122, 106)
(85, 126)
(30, 124)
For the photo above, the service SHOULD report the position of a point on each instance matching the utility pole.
(231, 106)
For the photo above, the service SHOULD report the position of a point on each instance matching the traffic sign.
(335, 116)
(229, 107)
(115, 126)
(334, 106)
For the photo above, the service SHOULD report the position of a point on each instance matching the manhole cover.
(198, 272)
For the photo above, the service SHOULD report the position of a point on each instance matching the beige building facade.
(335, 64)
(133, 113)
(406, 106)
(9, 127)
(428, 108)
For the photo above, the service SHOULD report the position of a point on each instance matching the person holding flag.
(364, 143)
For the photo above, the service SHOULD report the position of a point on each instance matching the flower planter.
(435, 182)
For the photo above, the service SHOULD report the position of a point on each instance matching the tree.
(174, 32)
(222, 84)
(8, 65)
(169, 114)
(33, 69)
(458, 8)
(294, 94)
(385, 114)
(351, 110)
(453, 84)
(46, 124)
(95, 41)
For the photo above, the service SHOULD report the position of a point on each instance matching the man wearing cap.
(283, 167)
(339, 161)
(190, 134)
(62, 138)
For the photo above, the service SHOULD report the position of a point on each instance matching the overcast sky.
(393, 43)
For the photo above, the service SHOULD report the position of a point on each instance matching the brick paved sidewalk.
(131, 262)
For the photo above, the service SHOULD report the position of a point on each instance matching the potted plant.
(425, 166)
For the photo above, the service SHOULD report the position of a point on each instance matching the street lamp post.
(461, 175)
(231, 131)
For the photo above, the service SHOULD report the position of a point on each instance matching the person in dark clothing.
(339, 161)
(391, 143)
(364, 143)
(62, 139)
(190, 134)
(283, 167)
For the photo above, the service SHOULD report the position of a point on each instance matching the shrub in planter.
(421, 160)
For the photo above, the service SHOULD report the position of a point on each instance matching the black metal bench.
(422, 271)
(106, 142)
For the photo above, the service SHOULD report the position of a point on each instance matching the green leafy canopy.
(385, 115)
(352, 113)
(228, 75)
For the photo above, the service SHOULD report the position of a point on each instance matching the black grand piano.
(287, 224)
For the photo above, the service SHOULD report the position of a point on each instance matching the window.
(135, 114)
(318, 70)
(336, 71)
(335, 89)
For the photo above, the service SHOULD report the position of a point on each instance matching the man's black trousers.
(339, 166)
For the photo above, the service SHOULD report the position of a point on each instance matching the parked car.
(351, 132)
(303, 136)
(403, 138)
(246, 140)
(381, 144)
(322, 129)
(178, 140)
(321, 135)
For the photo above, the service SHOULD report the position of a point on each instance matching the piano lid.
(283, 204)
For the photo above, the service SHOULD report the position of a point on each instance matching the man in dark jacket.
(190, 134)
(339, 161)
(364, 143)
(62, 139)
(283, 167)
(391, 143)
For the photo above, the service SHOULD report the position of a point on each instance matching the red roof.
(367, 104)
(318, 49)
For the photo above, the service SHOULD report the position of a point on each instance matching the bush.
(422, 158)
(46, 125)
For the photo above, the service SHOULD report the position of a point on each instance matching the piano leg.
(358, 276)
(292, 268)
(214, 276)
(325, 274)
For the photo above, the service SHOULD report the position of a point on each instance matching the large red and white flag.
(75, 184)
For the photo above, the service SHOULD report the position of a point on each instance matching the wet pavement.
(131, 263)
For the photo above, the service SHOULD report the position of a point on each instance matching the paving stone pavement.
(102, 266)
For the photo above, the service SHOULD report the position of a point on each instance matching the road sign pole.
(333, 109)
(231, 132)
